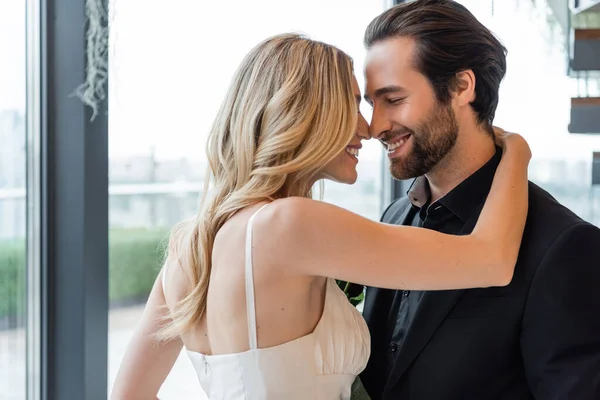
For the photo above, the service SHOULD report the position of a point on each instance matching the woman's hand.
(513, 142)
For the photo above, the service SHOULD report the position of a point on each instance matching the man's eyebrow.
(388, 89)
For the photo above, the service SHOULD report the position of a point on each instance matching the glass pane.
(535, 100)
(12, 200)
(170, 67)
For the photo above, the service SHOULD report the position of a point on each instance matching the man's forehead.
(401, 49)
(388, 65)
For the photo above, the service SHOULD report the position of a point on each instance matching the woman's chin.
(352, 180)
(349, 178)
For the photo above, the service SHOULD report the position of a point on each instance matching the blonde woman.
(248, 287)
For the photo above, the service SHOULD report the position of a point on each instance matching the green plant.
(358, 391)
(135, 258)
(354, 292)
(12, 278)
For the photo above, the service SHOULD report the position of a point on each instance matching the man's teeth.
(395, 145)
(352, 151)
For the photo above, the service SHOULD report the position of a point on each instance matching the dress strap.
(163, 278)
(249, 277)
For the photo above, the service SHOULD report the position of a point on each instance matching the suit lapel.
(433, 309)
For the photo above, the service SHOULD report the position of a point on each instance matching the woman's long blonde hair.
(289, 111)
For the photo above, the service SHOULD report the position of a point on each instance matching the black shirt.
(447, 215)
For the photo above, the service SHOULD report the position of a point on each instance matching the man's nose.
(379, 124)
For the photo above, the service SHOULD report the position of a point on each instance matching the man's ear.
(465, 88)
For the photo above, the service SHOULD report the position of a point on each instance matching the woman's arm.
(146, 363)
(320, 239)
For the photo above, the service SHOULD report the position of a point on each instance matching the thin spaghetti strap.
(249, 278)
(163, 278)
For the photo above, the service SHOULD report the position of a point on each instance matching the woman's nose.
(362, 129)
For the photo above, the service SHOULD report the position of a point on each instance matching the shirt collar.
(465, 198)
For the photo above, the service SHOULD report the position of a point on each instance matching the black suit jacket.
(537, 338)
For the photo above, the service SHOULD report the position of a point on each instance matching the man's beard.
(432, 140)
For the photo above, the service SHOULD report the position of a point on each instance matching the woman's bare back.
(288, 305)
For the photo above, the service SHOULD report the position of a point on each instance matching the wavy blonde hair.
(290, 110)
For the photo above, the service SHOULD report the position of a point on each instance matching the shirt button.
(405, 293)
(393, 347)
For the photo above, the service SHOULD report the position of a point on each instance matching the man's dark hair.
(449, 39)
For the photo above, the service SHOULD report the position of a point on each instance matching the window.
(13, 223)
(170, 67)
(535, 100)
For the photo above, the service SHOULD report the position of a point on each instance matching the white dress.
(320, 365)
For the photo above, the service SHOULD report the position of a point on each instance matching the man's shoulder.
(549, 222)
(395, 210)
(545, 210)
